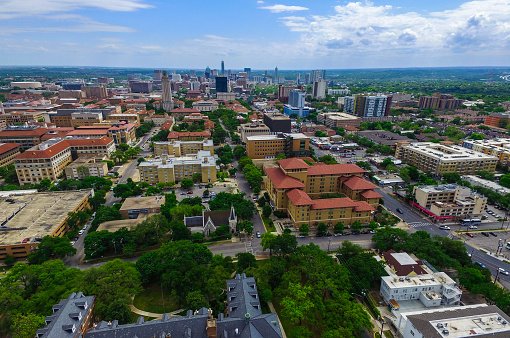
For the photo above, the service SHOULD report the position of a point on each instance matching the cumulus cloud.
(284, 8)
(365, 26)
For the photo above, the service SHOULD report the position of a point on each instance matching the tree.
(197, 177)
(266, 241)
(373, 225)
(224, 201)
(232, 171)
(123, 147)
(123, 191)
(239, 151)
(82, 171)
(280, 156)
(266, 211)
(198, 237)
(328, 159)
(356, 225)
(51, 248)
(339, 228)
(322, 229)
(118, 310)
(25, 326)
(387, 237)
(386, 150)
(283, 245)
(247, 227)
(304, 229)
(348, 250)
(245, 260)
(9, 260)
(505, 180)
(44, 184)
(297, 305)
(485, 175)
(244, 161)
(451, 177)
(186, 183)
(195, 300)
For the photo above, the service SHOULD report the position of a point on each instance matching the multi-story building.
(85, 119)
(42, 214)
(445, 157)
(202, 106)
(383, 137)
(99, 147)
(499, 147)
(448, 201)
(123, 133)
(284, 92)
(277, 122)
(319, 89)
(8, 151)
(140, 86)
(125, 117)
(86, 166)
(167, 103)
(188, 136)
(134, 206)
(478, 181)
(196, 117)
(221, 84)
(338, 120)
(367, 105)
(18, 118)
(310, 129)
(175, 169)
(26, 136)
(295, 187)
(409, 279)
(98, 91)
(181, 148)
(252, 129)
(69, 117)
(339, 91)
(441, 101)
(269, 146)
(300, 112)
(45, 160)
(226, 96)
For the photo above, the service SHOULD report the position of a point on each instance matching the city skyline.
(295, 35)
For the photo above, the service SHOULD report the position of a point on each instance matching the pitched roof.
(89, 142)
(218, 217)
(47, 153)
(371, 194)
(24, 132)
(5, 147)
(293, 163)
(350, 128)
(333, 203)
(282, 181)
(299, 197)
(357, 183)
(363, 206)
(332, 169)
(89, 132)
(185, 110)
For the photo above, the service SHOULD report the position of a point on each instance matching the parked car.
(301, 236)
(356, 232)
(469, 234)
(73, 243)
(493, 234)
(372, 231)
(25, 240)
(400, 211)
(338, 234)
(481, 264)
(183, 193)
(190, 192)
(346, 234)
(486, 234)
(503, 271)
(258, 234)
(444, 227)
(81, 232)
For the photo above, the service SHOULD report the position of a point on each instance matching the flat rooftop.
(113, 226)
(394, 281)
(36, 215)
(448, 152)
(200, 158)
(148, 202)
(276, 137)
(438, 188)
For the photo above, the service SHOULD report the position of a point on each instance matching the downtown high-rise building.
(207, 72)
(319, 89)
(222, 68)
(248, 73)
(221, 84)
(367, 106)
(192, 73)
(298, 78)
(276, 79)
(157, 74)
(307, 78)
(166, 103)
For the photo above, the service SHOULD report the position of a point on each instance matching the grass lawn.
(151, 300)
(269, 228)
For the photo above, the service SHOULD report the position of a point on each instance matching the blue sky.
(293, 34)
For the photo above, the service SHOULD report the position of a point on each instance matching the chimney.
(212, 329)
(247, 318)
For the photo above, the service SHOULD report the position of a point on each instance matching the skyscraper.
(307, 78)
(221, 84)
(319, 89)
(222, 68)
(276, 79)
(323, 74)
(207, 72)
(157, 74)
(167, 104)
(298, 78)
(192, 73)
(248, 73)
(297, 98)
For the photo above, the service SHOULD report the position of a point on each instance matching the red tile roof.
(363, 206)
(176, 134)
(88, 132)
(299, 197)
(282, 181)
(333, 203)
(357, 183)
(47, 153)
(293, 163)
(185, 110)
(350, 128)
(371, 194)
(59, 133)
(402, 270)
(332, 169)
(8, 146)
(33, 132)
(89, 142)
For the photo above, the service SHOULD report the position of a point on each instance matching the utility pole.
(496, 278)
(382, 326)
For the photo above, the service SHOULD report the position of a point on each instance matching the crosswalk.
(248, 247)
(419, 224)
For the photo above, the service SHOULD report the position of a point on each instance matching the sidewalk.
(271, 307)
(153, 315)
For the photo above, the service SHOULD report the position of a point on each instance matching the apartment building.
(367, 105)
(409, 279)
(448, 201)
(188, 136)
(277, 122)
(252, 129)
(180, 148)
(8, 151)
(441, 101)
(125, 117)
(295, 187)
(46, 160)
(337, 120)
(269, 146)
(86, 166)
(500, 120)
(175, 169)
(123, 133)
(445, 157)
(499, 147)
(28, 137)
(84, 119)
(17, 118)
(66, 117)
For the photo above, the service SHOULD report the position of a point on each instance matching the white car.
(503, 271)
(472, 227)
(444, 227)
(81, 232)
(73, 242)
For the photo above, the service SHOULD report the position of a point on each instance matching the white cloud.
(363, 27)
(26, 8)
(284, 8)
(260, 2)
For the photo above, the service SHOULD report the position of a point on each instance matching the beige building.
(269, 146)
(446, 157)
(449, 201)
(15, 117)
(181, 148)
(337, 120)
(86, 166)
(499, 147)
(85, 119)
(226, 96)
(134, 206)
(205, 105)
(46, 160)
(175, 169)
(8, 151)
(32, 216)
(116, 118)
(252, 129)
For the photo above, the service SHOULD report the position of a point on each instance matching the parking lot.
(489, 243)
(198, 190)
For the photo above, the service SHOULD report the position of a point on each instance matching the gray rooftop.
(67, 317)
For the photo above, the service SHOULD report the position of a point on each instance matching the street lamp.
(381, 319)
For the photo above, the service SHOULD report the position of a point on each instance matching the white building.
(319, 89)
(167, 103)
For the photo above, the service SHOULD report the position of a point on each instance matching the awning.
(394, 304)
(428, 212)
